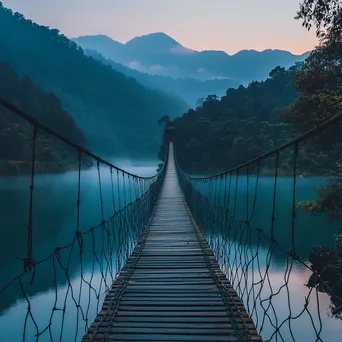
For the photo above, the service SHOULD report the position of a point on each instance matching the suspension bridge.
(180, 258)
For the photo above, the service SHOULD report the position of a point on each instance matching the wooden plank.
(178, 308)
(171, 303)
(159, 269)
(173, 282)
(156, 313)
(173, 295)
(170, 325)
(171, 289)
(172, 337)
(171, 319)
(171, 331)
(175, 277)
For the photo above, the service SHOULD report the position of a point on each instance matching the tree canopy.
(320, 96)
(222, 133)
(325, 15)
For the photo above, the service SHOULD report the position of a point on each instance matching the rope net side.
(271, 251)
(79, 272)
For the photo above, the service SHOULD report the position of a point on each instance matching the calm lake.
(54, 225)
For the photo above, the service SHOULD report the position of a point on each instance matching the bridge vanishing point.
(179, 259)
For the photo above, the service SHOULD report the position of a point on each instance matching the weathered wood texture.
(171, 288)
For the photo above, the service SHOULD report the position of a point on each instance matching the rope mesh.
(90, 262)
(249, 217)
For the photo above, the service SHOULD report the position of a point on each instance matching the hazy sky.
(229, 25)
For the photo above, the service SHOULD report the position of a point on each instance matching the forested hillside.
(189, 89)
(220, 134)
(16, 134)
(246, 122)
(117, 114)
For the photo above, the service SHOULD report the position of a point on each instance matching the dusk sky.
(228, 25)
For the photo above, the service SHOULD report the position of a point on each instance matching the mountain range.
(159, 54)
(188, 89)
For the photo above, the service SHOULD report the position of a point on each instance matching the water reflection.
(63, 324)
(54, 223)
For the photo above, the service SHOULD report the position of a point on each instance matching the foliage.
(325, 15)
(220, 134)
(165, 120)
(107, 105)
(320, 99)
(16, 134)
(246, 122)
(320, 94)
(330, 199)
(319, 85)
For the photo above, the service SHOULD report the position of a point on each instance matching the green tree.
(319, 84)
(325, 15)
(231, 129)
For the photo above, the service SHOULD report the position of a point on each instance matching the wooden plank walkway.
(171, 288)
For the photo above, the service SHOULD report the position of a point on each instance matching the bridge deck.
(171, 288)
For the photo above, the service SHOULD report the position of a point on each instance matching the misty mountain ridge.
(189, 90)
(160, 54)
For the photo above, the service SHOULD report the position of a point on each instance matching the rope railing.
(80, 272)
(265, 245)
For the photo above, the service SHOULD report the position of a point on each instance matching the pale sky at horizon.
(228, 25)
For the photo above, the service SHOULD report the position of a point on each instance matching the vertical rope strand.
(28, 262)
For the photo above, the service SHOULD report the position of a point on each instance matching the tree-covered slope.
(248, 121)
(220, 134)
(16, 134)
(117, 114)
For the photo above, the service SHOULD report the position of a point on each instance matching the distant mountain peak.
(158, 38)
(157, 35)
(214, 52)
(99, 36)
(269, 51)
(98, 40)
(102, 37)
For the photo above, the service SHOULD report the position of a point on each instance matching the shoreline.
(264, 173)
(11, 168)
